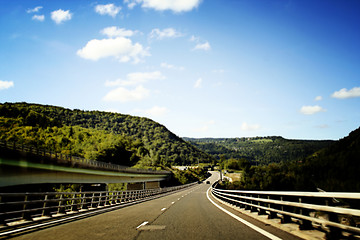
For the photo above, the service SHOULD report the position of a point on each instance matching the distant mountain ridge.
(259, 150)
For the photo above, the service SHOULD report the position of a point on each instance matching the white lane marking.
(263, 232)
(143, 224)
(163, 209)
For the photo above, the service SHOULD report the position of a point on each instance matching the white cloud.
(127, 95)
(194, 39)
(205, 126)
(132, 3)
(156, 111)
(162, 5)
(318, 98)
(113, 31)
(153, 112)
(344, 93)
(170, 66)
(198, 83)
(6, 84)
(108, 9)
(309, 110)
(136, 78)
(202, 46)
(40, 18)
(121, 48)
(60, 16)
(35, 9)
(165, 33)
(250, 127)
(145, 76)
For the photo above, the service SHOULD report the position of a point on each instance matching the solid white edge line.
(259, 230)
(143, 224)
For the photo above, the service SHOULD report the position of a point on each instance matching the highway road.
(188, 214)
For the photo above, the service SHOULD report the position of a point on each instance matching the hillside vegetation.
(103, 136)
(335, 168)
(259, 150)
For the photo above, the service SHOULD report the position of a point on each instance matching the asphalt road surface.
(188, 214)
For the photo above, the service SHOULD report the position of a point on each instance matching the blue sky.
(202, 68)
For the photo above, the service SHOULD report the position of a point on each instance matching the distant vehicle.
(207, 182)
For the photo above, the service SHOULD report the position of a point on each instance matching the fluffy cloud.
(136, 78)
(205, 126)
(309, 110)
(40, 18)
(165, 33)
(35, 9)
(132, 3)
(198, 83)
(6, 84)
(194, 39)
(250, 127)
(162, 5)
(113, 31)
(170, 66)
(202, 46)
(344, 93)
(318, 98)
(125, 95)
(108, 9)
(156, 111)
(153, 112)
(60, 16)
(121, 48)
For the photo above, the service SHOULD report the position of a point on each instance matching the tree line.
(259, 150)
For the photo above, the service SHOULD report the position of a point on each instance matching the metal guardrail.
(60, 158)
(18, 209)
(333, 212)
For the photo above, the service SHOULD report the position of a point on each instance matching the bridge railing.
(25, 208)
(67, 159)
(335, 213)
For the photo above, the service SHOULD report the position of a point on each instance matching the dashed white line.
(143, 224)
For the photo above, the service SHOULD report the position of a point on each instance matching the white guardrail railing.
(19, 210)
(335, 213)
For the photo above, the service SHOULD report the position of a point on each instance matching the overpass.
(17, 172)
(24, 165)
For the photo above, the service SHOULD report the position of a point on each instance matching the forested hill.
(335, 168)
(259, 150)
(105, 136)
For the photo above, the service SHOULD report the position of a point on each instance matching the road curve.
(188, 214)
